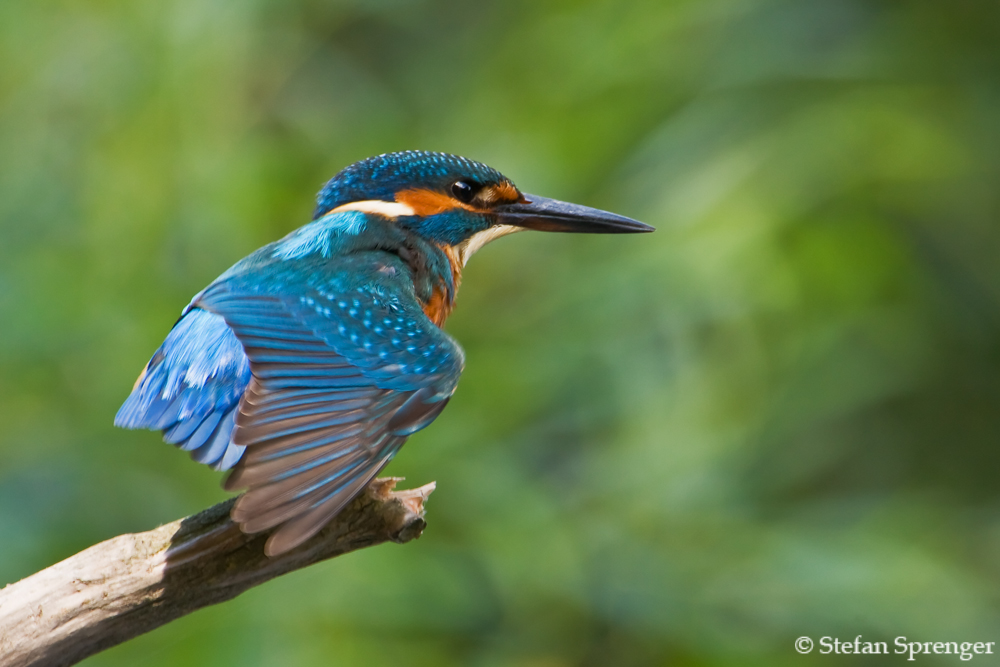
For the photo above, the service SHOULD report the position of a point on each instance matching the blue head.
(453, 201)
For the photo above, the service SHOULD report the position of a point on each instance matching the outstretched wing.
(190, 389)
(345, 366)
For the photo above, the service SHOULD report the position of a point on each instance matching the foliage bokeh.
(776, 416)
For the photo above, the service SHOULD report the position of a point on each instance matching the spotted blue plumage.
(307, 364)
(380, 177)
(310, 362)
(345, 365)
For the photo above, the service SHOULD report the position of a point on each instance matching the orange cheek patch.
(428, 202)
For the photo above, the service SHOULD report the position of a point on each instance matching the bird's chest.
(438, 307)
(440, 299)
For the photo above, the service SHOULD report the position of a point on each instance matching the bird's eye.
(463, 191)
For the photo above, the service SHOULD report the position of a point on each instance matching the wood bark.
(131, 584)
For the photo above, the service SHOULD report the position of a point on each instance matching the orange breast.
(439, 306)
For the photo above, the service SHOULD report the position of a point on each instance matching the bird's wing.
(345, 366)
(190, 389)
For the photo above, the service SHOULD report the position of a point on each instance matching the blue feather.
(317, 237)
(194, 379)
(203, 433)
(218, 443)
(181, 431)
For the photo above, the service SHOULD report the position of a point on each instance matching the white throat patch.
(393, 210)
(470, 245)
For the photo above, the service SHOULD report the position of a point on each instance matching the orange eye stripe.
(428, 202)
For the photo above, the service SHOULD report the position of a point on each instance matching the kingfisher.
(304, 367)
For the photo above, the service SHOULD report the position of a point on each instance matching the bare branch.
(131, 584)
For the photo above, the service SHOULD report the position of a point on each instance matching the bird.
(304, 367)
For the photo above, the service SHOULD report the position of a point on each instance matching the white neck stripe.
(390, 209)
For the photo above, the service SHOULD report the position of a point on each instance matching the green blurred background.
(779, 415)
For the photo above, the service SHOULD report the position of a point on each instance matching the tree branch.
(131, 584)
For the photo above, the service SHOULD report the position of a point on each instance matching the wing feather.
(190, 389)
(341, 375)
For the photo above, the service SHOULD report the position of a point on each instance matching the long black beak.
(552, 215)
